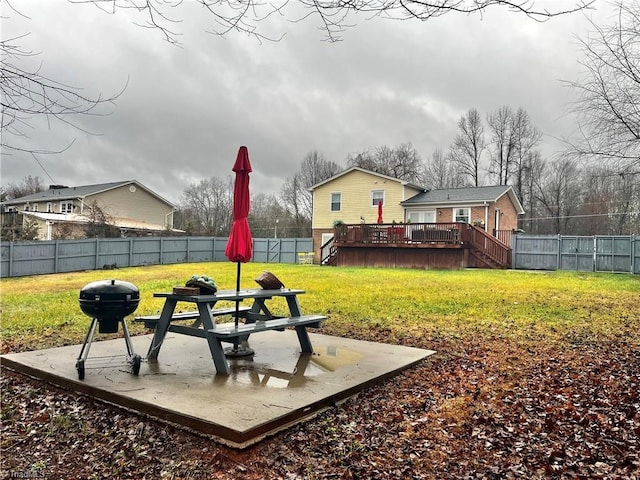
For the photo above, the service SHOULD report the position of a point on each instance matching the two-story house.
(65, 212)
(412, 218)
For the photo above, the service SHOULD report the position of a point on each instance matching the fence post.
(97, 253)
(55, 256)
(10, 259)
(161, 259)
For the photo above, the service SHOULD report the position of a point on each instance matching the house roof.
(349, 170)
(467, 195)
(82, 191)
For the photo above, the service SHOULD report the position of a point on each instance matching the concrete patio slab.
(277, 387)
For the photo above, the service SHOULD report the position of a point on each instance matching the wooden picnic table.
(257, 318)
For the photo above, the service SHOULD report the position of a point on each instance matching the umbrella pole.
(236, 341)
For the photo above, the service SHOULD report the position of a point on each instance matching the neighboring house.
(65, 212)
(427, 222)
(352, 196)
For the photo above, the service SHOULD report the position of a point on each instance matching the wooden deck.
(416, 245)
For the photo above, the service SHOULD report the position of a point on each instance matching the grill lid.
(109, 290)
(109, 299)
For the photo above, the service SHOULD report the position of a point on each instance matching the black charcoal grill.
(108, 302)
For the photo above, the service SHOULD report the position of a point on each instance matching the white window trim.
(63, 209)
(468, 209)
(49, 207)
(383, 198)
(331, 201)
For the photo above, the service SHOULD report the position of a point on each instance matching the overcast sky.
(186, 111)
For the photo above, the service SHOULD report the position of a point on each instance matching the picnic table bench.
(150, 321)
(257, 318)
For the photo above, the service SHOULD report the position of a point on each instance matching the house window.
(336, 202)
(377, 196)
(66, 207)
(462, 215)
(35, 207)
(49, 207)
(26, 207)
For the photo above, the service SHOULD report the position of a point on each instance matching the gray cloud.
(186, 110)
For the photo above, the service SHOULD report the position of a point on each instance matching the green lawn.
(392, 305)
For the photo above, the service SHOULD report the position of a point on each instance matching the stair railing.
(490, 246)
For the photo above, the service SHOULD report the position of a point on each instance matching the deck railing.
(405, 233)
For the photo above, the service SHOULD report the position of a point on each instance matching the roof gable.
(82, 191)
(363, 170)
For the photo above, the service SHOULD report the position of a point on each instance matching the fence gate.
(274, 251)
(576, 253)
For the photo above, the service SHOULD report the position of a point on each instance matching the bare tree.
(207, 206)
(269, 218)
(332, 16)
(611, 203)
(607, 107)
(402, 162)
(439, 172)
(28, 186)
(466, 150)
(295, 194)
(100, 224)
(503, 144)
(26, 93)
(527, 137)
(558, 192)
(531, 175)
(513, 142)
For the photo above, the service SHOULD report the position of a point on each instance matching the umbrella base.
(238, 352)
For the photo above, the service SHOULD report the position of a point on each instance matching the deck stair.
(488, 249)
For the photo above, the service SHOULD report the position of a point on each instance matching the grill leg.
(84, 352)
(133, 359)
(127, 338)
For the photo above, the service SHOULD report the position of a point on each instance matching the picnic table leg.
(303, 338)
(217, 353)
(215, 345)
(294, 306)
(301, 330)
(161, 329)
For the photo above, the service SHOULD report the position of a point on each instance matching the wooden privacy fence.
(600, 253)
(57, 256)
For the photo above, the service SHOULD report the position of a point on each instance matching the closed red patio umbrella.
(380, 211)
(240, 244)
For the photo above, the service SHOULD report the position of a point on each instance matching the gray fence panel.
(146, 251)
(31, 258)
(201, 249)
(76, 255)
(175, 250)
(5, 252)
(35, 258)
(611, 253)
(535, 253)
(114, 253)
(261, 250)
